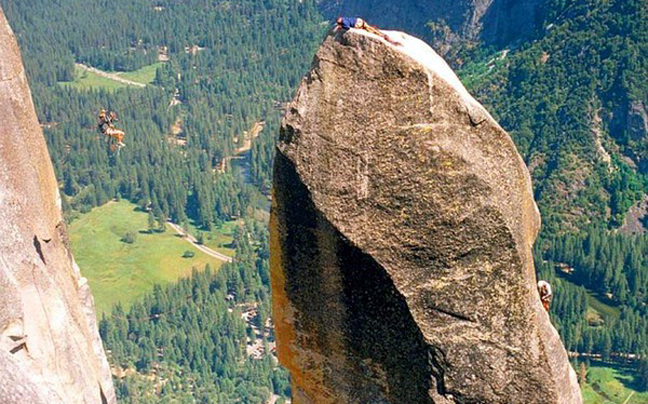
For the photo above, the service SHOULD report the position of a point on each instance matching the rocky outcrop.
(502, 22)
(401, 232)
(629, 121)
(50, 350)
(636, 128)
(637, 120)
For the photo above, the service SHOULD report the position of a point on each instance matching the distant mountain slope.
(576, 103)
(491, 21)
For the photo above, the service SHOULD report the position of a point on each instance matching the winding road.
(192, 240)
(629, 397)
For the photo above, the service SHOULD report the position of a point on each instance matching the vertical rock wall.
(50, 350)
(401, 233)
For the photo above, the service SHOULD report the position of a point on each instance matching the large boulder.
(50, 350)
(402, 226)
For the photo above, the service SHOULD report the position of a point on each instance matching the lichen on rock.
(402, 226)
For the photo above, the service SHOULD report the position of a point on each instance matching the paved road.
(191, 239)
(111, 76)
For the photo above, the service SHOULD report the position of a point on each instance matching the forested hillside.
(601, 284)
(232, 64)
(570, 101)
(575, 103)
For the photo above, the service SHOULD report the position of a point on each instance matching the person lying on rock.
(347, 23)
(544, 288)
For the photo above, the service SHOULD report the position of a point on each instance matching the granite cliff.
(401, 233)
(50, 350)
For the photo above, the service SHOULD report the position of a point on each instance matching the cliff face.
(493, 21)
(50, 351)
(631, 118)
(401, 234)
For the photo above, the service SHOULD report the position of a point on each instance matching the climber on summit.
(544, 288)
(347, 23)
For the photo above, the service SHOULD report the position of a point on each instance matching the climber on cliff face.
(544, 288)
(347, 23)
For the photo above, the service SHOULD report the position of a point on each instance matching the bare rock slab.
(50, 350)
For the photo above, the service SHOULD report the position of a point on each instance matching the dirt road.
(191, 239)
(629, 397)
(111, 76)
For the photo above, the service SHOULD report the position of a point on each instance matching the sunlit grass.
(611, 384)
(121, 272)
(145, 75)
(220, 238)
(85, 80)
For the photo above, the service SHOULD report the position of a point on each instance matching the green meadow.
(145, 75)
(86, 80)
(611, 384)
(605, 310)
(118, 271)
(220, 238)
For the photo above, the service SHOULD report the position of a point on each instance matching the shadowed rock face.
(50, 351)
(401, 234)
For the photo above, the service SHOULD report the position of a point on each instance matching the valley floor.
(118, 271)
(611, 384)
(88, 77)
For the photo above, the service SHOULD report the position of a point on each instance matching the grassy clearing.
(219, 239)
(121, 272)
(606, 311)
(145, 75)
(85, 80)
(593, 317)
(611, 384)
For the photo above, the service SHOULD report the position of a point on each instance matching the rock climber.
(103, 121)
(107, 127)
(544, 288)
(112, 117)
(347, 23)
